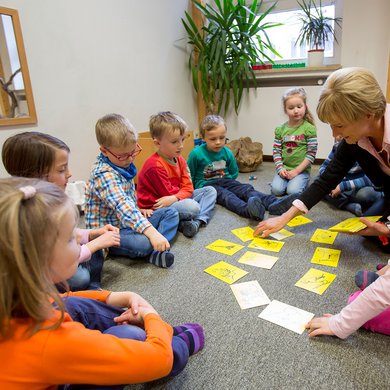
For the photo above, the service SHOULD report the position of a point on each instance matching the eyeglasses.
(122, 157)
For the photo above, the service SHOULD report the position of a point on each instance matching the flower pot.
(315, 57)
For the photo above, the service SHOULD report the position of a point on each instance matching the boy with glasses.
(110, 196)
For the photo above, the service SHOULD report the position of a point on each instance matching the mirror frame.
(32, 115)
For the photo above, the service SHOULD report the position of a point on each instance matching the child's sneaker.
(189, 228)
(256, 208)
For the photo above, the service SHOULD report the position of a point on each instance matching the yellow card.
(299, 220)
(268, 245)
(316, 281)
(326, 256)
(351, 225)
(258, 260)
(225, 247)
(323, 236)
(226, 272)
(281, 234)
(244, 234)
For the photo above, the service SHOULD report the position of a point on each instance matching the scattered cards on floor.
(258, 260)
(288, 316)
(326, 256)
(225, 247)
(267, 245)
(244, 234)
(299, 220)
(226, 272)
(315, 281)
(324, 236)
(281, 234)
(249, 294)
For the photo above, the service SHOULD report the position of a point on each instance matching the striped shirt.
(110, 199)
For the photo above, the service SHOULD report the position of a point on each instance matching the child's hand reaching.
(319, 326)
(106, 240)
(98, 232)
(165, 201)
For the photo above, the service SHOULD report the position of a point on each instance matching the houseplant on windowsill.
(316, 30)
(233, 37)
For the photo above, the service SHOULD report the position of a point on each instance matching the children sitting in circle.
(95, 339)
(295, 145)
(213, 164)
(110, 197)
(42, 156)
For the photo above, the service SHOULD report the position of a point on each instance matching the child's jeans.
(99, 316)
(199, 206)
(280, 186)
(135, 244)
(378, 324)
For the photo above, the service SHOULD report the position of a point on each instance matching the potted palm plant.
(316, 30)
(232, 38)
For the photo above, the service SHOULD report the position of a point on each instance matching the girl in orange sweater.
(45, 347)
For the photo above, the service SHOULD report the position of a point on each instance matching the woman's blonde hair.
(298, 91)
(210, 122)
(31, 212)
(349, 94)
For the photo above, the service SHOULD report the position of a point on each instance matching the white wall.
(91, 57)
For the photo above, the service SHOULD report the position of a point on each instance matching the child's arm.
(277, 153)
(158, 241)
(106, 240)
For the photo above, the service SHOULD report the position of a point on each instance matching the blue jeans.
(280, 186)
(135, 244)
(199, 206)
(97, 315)
(234, 196)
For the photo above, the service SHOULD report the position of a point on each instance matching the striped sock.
(193, 336)
(181, 328)
(161, 259)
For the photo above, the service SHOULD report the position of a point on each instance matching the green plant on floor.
(232, 39)
(316, 28)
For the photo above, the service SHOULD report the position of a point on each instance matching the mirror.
(16, 98)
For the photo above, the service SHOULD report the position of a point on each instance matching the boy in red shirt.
(165, 180)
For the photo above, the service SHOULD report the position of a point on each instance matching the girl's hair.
(115, 130)
(166, 122)
(349, 94)
(31, 213)
(210, 122)
(298, 91)
(31, 154)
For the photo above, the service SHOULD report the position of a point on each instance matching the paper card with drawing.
(299, 220)
(352, 225)
(249, 294)
(268, 245)
(281, 234)
(225, 247)
(323, 236)
(326, 256)
(226, 272)
(315, 281)
(258, 260)
(244, 234)
(288, 316)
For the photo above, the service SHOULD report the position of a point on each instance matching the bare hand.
(283, 173)
(98, 232)
(158, 241)
(147, 213)
(319, 326)
(291, 174)
(165, 201)
(373, 228)
(106, 240)
(271, 225)
(336, 192)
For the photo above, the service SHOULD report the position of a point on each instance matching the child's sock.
(193, 336)
(281, 205)
(365, 278)
(189, 228)
(354, 208)
(181, 328)
(161, 259)
(255, 208)
(380, 266)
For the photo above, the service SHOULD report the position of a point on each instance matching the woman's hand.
(373, 228)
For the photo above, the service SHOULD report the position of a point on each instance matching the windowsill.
(293, 76)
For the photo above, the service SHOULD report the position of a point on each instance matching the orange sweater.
(74, 354)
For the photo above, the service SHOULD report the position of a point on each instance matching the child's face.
(295, 109)
(121, 156)
(352, 132)
(171, 144)
(216, 138)
(59, 172)
(66, 252)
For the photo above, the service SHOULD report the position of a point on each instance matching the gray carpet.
(243, 351)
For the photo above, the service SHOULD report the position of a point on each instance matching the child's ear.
(103, 150)
(156, 142)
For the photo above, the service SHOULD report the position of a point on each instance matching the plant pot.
(315, 57)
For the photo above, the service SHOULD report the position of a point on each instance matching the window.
(284, 37)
